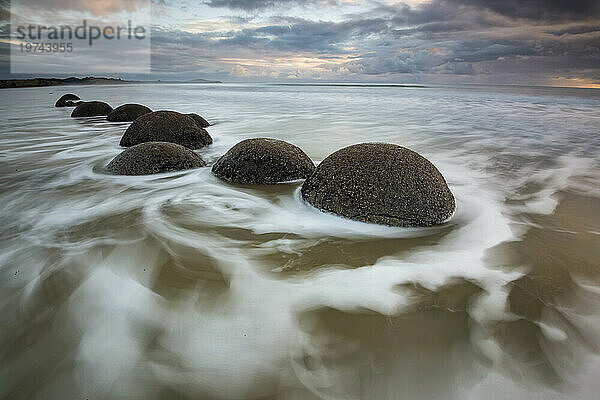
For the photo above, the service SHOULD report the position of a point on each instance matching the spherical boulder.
(380, 183)
(64, 100)
(91, 109)
(201, 122)
(127, 113)
(263, 161)
(153, 158)
(166, 126)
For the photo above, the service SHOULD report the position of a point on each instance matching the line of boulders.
(123, 113)
(377, 183)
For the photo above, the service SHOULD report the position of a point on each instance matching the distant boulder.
(380, 183)
(153, 158)
(91, 109)
(64, 100)
(166, 126)
(263, 161)
(127, 113)
(70, 103)
(201, 122)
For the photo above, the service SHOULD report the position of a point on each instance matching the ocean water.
(182, 286)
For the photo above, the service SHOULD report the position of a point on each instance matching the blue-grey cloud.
(253, 5)
(454, 38)
(574, 30)
(441, 43)
(538, 9)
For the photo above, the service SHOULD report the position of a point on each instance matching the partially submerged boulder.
(263, 161)
(64, 100)
(166, 126)
(153, 158)
(380, 183)
(127, 113)
(201, 122)
(91, 109)
(71, 103)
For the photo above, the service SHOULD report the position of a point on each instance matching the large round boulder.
(380, 183)
(127, 113)
(201, 122)
(153, 158)
(263, 161)
(166, 126)
(91, 109)
(64, 100)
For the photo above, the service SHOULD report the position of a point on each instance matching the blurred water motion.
(179, 285)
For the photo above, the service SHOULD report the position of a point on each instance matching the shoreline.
(46, 82)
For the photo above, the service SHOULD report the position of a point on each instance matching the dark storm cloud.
(448, 38)
(436, 27)
(252, 5)
(455, 37)
(433, 30)
(292, 35)
(458, 58)
(456, 68)
(575, 30)
(486, 50)
(405, 63)
(541, 10)
(492, 12)
(439, 17)
(319, 36)
(428, 12)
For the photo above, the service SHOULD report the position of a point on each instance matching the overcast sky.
(536, 42)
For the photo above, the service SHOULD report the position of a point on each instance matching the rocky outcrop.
(380, 183)
(64, 101)
(127, 113)
(166, 126)
(153, 158)
(201, 122)
(263, 161)
(91, 109)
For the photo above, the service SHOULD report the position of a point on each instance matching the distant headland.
(90, 80)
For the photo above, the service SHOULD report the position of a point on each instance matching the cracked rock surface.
(380, 183)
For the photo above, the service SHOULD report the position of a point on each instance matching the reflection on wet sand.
(419, 353)
(414, 352)
(557, 253)
(183, 269)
